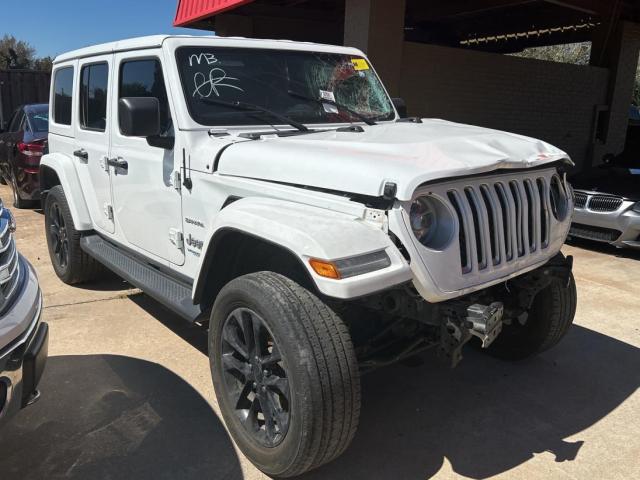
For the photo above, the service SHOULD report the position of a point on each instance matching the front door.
(148, 208)
(91, 150)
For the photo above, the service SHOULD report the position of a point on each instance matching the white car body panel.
(68, 176)
(407, 154)
(312, 232)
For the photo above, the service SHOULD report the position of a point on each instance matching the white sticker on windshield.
(330, 108)
(325, 95)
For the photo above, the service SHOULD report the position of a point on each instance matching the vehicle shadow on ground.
(486, 416)
(108, 282)
(605, 248)
(192, 333)
(106, 417)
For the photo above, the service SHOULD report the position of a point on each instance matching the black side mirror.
(139, 116)
(401, 107)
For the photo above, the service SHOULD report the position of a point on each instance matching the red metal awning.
(190, 11)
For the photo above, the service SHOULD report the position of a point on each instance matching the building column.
(377, 28)
(617, 49)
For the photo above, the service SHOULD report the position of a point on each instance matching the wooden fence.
(18, 87)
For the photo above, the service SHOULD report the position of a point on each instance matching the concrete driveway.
(127, 394)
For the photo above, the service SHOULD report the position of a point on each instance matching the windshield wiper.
(339, 106)
(249, 107)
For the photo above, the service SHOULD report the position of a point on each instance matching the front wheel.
(550, 317)
(285, 374)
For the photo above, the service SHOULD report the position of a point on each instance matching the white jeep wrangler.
(271, 189)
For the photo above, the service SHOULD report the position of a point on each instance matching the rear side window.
(94, 81)
(143, 78)
(39, 119)
(63, 88)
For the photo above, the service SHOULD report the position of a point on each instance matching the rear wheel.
(17, 201)
(70, 262)
(549, 320)
(284, 372)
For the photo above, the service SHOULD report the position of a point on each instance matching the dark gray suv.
(23, 336)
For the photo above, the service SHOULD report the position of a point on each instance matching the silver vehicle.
(607, 198)
(23, 336)
(607, 217)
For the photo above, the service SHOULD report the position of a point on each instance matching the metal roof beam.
(439, 10)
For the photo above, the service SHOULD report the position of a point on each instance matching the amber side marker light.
(325, 269)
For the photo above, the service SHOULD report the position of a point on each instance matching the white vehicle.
(271, 189)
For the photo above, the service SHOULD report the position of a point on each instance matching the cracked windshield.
(307, 87)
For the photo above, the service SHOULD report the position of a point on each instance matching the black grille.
(604, 203)
(581, 199)
(594, 233)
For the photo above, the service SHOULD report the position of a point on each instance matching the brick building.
(446, 57)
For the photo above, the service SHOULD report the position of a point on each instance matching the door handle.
(81, 154)
(118, 164)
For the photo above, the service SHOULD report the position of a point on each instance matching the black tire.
(549, 320)
(318, 361)
(17, 201)
(78, 266)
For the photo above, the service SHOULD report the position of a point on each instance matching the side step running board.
(172, 293)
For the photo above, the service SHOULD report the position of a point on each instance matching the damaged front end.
(399, 324)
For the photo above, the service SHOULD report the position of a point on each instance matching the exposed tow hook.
(486, 321)
(463, 323)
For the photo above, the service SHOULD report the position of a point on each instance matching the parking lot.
(127, 394)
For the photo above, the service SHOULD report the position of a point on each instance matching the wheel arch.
(233, 252)
(57, 169)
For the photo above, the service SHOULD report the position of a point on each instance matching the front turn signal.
(324, 268)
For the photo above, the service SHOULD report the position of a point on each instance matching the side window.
(63, 89)
(143, 78)
(93, 96)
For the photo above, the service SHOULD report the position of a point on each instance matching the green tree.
(44, 63)
(15, 53)
(576, 53)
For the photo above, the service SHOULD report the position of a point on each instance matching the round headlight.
(431, 222)
(423, 218)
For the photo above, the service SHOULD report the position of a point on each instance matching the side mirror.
(139, 116)
(401, 107)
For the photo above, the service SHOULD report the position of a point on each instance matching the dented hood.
(407, 154)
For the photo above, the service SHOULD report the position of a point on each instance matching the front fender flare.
(65, 170)
(310, 232)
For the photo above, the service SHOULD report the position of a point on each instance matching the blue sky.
(57, 26)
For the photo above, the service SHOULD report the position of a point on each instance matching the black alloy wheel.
(58, 234)
(255, 377)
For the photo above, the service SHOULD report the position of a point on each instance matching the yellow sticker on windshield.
(360, 64)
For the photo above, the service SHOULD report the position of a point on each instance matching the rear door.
(148, 208)
(92, 134)
(9, 141)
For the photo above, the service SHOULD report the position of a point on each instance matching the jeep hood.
(407, 154)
